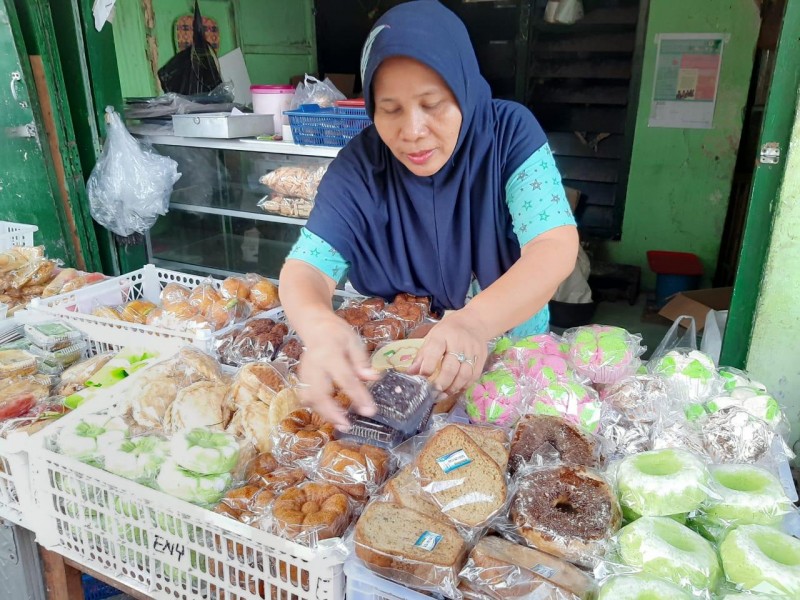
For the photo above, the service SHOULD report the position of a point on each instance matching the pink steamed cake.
(496, 398)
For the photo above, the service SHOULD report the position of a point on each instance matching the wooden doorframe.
(780, 114)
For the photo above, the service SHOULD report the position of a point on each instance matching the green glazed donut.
(641, 587)
(662, 482)
(761, 558)
(664, 548)
(748, 495)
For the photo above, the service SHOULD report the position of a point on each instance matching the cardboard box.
(697, 303)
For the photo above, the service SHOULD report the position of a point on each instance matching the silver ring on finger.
(462, 358)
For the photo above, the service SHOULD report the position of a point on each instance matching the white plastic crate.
(146, 283)
(16, 234)
(15, 494)
(160, 545)
(363, 584)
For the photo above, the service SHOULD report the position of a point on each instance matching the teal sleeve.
(312, 249)
(535, 197)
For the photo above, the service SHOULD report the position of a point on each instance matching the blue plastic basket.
(315, 126)
(94, 589)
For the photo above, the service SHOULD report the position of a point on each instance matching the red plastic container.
(675, 272)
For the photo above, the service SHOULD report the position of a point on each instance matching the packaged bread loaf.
(311, 512)
(410, 548)
(461, 478)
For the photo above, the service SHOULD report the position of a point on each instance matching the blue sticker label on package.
(428, 541)
(454, 460)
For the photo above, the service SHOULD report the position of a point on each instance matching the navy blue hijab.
(428, 236)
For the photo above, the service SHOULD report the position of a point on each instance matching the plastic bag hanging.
(131, 183)
(194, 70)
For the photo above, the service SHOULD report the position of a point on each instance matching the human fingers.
(316, 394)
(429, 357)
(444, 379)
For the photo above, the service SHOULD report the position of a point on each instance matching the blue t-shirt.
(536, 201)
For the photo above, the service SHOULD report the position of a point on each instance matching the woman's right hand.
(336, 356)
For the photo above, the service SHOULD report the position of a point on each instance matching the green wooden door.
(29, 191)
(278, 38)
(776, 131)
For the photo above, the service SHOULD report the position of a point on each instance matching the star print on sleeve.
(522, 176)
(539, 203)
(315, 251)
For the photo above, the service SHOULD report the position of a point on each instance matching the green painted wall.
(680, 179)
(277, 37)
(775, 343)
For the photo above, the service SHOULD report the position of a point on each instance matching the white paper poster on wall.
(686, 80)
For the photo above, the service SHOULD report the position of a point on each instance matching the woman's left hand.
(454, 353)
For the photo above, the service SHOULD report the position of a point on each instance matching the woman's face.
(416, 114)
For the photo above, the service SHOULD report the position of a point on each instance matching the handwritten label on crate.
(173, 553)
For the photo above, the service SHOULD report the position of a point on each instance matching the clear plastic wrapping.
(301, 435)
(515, 353)
(542, 437)
(63, 357)
(690, 375)
(500, 569)
(408, 313)
(358, 470)
(263, 293)
(16, 363)
(732, 434)
(625, 587)
(461, 478)
(382, 331)
(623, 435)
(52, 335)
(295, 181)
(311, 512)
(662, 482)
(762, 559)
(398, 355)
(402, 401)
(639, 397)
(743, 495)
(661, 547)
(368, 431)
(410, 548)
(131, 183)
(572, 400)
(257, 339)
(496, 398)
(568, 511)
(604, 354)
(75, 377)
(87, 439)
(755, 401)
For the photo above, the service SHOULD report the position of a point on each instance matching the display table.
(62, 578)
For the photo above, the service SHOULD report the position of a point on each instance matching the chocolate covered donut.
(569, 512)
(543, 434)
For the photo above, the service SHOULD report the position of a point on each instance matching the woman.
(448, 189)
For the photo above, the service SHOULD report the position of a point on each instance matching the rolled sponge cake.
(500, 567)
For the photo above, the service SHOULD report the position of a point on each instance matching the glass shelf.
(214, 224)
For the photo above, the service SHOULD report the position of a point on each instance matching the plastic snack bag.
(313, 91)
(131, 184)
